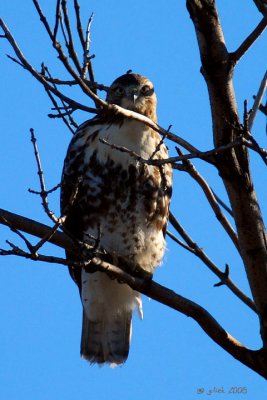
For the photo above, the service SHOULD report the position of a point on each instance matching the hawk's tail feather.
(107, 340)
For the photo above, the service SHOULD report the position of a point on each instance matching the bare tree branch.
(253, 359)
(229, 156)
(58, 15)
(79, 23)
(195, 249)
(69, 41)
(262, 108)
(248, 42)
(38, 76)
(257, 101)
(233, 166)
(68, 121)
(63, 58)
(87, 65)
(193, 172)
(43, 192)
(75, 105)
(261, 6)
(228, 209)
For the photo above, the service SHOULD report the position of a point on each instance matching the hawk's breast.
(124, 202)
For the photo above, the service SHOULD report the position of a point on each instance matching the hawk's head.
(134, 92)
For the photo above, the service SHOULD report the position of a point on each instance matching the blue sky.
(40, 310)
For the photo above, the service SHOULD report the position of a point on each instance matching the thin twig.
(61, 114)
(15, 61)
(109, 107)
(44, 21)
(87, 66)
(253, 145)
(228, 209)
(178, 241)
(47, 237)
(248, 136)
(16, 231)
(63, 58)
(257, 101)
(248, 42)
(43, 192)
(157, 149)
(69, 42)
(194, 173)
(70, 121)
(47, 191)
(93, 85)
(204, 155)
(37, 229)
(26, 65)
(262, 108)
(62, 26)
(79, 23)
(58, 16)
(213, 267)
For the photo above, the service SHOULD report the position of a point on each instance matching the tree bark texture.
(233, 166)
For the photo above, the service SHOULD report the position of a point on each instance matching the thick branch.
(35, 228)
(217, 68)
(261, 6)
(253, 359)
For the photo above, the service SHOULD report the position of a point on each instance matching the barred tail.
(107, 340)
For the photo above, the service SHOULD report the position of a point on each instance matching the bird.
(114, 199)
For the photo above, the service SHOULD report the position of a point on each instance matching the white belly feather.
(140, 243)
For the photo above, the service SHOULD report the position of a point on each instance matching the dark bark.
(233, 165)
(256, 360)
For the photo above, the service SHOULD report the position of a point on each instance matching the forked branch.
(253, 359)
(233, 166)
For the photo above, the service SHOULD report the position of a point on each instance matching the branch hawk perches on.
(122, 202)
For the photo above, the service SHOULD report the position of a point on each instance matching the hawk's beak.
(135, 97)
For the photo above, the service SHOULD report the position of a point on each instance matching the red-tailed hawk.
(123, 203)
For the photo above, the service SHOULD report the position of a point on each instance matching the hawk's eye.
(118, 90)
(146, 90)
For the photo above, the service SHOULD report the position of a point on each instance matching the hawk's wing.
(77, 160)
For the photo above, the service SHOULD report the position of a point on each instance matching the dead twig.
(79, 23)
(87, 65)
(69, 40)
(58, 16)
(43, 193)
(222, 203)
(248, 139)
(194, 248)
(157, 149)
(248, 42)
(64, 59)
(257, 101)
(70, 122)
(76, 105)
(26, 65)
(178, 241)
(193, 172)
